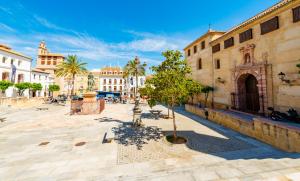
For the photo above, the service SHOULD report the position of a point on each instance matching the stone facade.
(243, 63)
(47, 61)
(277, 134)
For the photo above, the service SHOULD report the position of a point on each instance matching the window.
(216, 48)
(218, 64)
(115, 81)
(43, 62)
(5, 76)
(142, 81)
(195, 49)
(39, 77)
(20, 78)
(19, 62)
(203, 45)
(3, 59)
(121, 81)
(12, 61)
(104, 81)
(46, 77)
(246, 35)
(104, 88)
(199, 64)
(121, 88)
(48, 62)
(109, 81)
(34, 76)
(296, 14)
(189, 52)
(229, 42)
(115, 88)
(54, 62)
(270, 25)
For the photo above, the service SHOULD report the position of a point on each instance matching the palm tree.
(70, 68)
(134, 68)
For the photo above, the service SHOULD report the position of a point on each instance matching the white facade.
(111, 83)
(45, 79)
(8, 58)
(131, 84)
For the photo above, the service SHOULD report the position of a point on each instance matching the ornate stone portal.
(250, 85)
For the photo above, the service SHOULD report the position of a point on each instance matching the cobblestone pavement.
(52, 145)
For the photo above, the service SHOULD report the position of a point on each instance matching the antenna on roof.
(209, 27)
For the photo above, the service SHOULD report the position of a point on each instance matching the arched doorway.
(248, 93)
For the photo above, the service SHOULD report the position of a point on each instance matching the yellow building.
(47, 61)
(253, 65)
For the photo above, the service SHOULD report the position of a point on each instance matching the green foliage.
(22, 87)
(194, 88)
(53, 88)
(169, 81)
(149, 92)
(36, 86)
(206, 90)
(5, 85)
(298, 65)
(134, 68)
(70, 68)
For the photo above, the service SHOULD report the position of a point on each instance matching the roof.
(39, 71)
(7, 49)
(209, 32)
(52, 55)
(258, 16)
(111, 69)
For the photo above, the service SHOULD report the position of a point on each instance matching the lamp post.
(137, 112)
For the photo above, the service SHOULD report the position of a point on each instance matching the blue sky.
(111, 32)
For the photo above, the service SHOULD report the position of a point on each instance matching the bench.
(108, 137)
(156, 113)
(2, 120)
(42, 108)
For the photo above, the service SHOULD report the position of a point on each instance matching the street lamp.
(137, 111)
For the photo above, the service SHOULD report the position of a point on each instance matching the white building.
(44, 78)
(14, 67)
(111, 80)
(130, 86)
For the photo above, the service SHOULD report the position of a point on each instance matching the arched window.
(247, 58)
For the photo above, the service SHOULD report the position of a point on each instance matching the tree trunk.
(206, 97)
(73, 85)
(168, 110)
(174, 124)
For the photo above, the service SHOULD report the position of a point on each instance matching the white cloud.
(6, 10)
(6, 28)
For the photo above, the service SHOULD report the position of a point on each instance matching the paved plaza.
(52, 145)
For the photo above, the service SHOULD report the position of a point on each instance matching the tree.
(170, 82)
(149, 92)
(206, 90)
(22, 87)
(194, 88)
(298, 65)
(4, 85)
(70, 68)
(53, 88)
(36, 87)
(134, 68)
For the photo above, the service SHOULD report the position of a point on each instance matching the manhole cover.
(44, 143)
(80, 144)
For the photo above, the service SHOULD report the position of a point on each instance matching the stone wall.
(277, 134)
(21, 102)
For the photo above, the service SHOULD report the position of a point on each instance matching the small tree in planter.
(36, 87)
(194, 88)
(206, 90)
(22, 87)
(54, 88)
(4, 85)
(171, 84)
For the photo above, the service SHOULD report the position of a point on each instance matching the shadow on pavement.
(126, 134)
